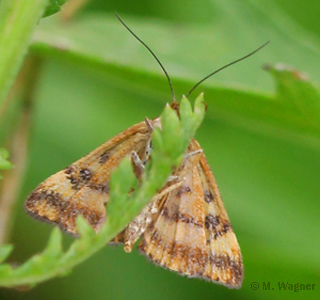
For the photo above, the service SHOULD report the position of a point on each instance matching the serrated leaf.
(121, 182)
(171, 131)
(185, 108)
(199, 110)
(84, 229)
(123, 177)
(156, 138)
(186, 113)
(54, 246)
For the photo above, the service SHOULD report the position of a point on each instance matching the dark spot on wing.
(104, 157)
(208, 196)
(218, 226)
(85, 174)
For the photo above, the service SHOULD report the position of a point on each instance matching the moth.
(185, 228)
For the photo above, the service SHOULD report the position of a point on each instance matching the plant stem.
(18, 144)
(18, 19)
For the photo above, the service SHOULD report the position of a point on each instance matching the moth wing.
(192, 234)
(83, 187)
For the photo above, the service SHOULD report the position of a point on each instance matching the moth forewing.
(83, 187)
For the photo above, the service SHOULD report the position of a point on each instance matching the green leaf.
(190, 119)
(199, 110)
(187, 109)
(238, 91)
(122, 181)
(54, 246)
(53, 7)
(172, 132)
(218, 45)
(84, 229)
(296, 91)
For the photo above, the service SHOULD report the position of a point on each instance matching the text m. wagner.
(286, 286)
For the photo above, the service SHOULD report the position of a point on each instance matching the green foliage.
(247, 97)
(169, 144)
(53, 7)
(260, 136)
(18, 19)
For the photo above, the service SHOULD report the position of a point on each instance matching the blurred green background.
(96, 81)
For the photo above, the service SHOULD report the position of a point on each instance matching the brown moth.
(185, 228)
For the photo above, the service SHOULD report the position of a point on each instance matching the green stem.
(18, 19)
(76, 254)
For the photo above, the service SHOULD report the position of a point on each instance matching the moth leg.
(191, 158)
(136, 160)
(149, 124)
(139, 225)
(193, 153)
(167, 190)
(138, 164)
(147, 152)
(172, 178)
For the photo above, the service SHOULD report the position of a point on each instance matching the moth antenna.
(152, 53)
(226, 66)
